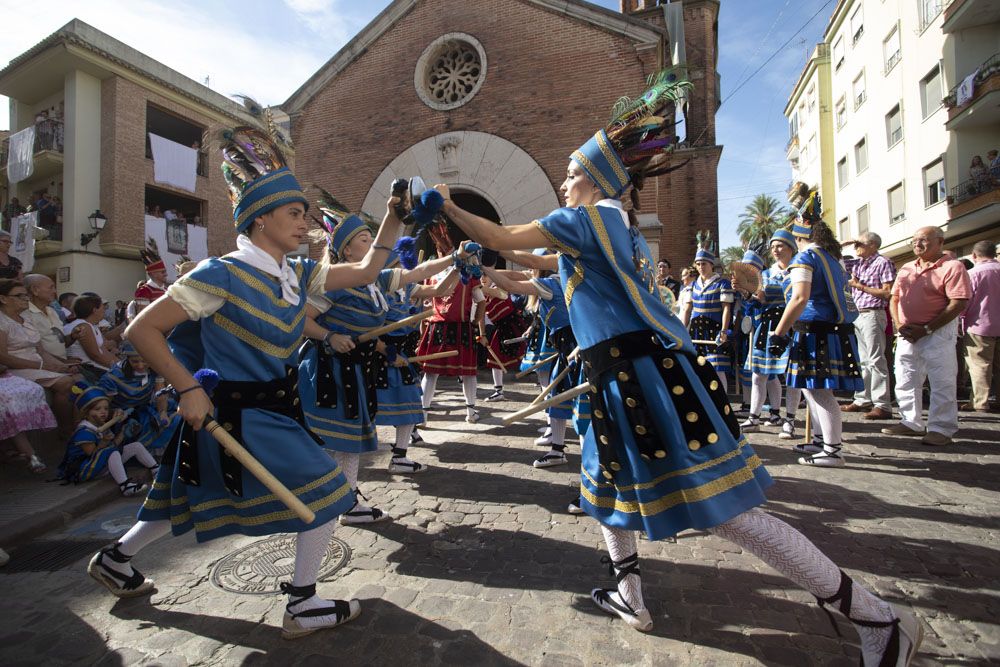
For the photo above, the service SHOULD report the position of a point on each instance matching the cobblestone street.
(483, 566)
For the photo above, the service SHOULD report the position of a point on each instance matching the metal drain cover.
(259, 568)
(51, 555)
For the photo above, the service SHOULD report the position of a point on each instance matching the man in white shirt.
(43, 317)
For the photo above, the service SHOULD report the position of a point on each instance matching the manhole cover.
(259, 568)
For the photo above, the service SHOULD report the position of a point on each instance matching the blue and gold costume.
(775, 285)
(663, 452)
(339, 391)
(399, 386)
(135, 394)
(555, 318)
(823, 353)
(708, 300)
(78, 466)
(251, 339)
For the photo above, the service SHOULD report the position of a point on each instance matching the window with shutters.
(857, 25)
(840, 113)
(893, 127)
(842, 172)
(838, 53)
(844, 229)
(930, 92)
(858, 90)
(897, 206)
(934, 189)
(890, 50)
(860, 156)
(862, 216)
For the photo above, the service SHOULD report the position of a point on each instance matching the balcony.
(975, 198)
(962, 14)
(48, 150)
(982, 109)
(792, 148)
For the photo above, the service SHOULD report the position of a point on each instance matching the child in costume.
(92, 451)
(138, 392)
(156, 283)
(664, 452)
(823, 350)
(508, 322)
(708, 316)
(251, 307)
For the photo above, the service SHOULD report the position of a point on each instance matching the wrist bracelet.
(191, 388)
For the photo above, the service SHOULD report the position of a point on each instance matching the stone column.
(82, 157)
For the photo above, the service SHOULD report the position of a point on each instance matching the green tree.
(733, 253)
(761, 218)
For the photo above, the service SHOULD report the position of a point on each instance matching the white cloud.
(326, 17)
(198, 40)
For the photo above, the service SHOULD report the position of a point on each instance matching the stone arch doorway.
(479, 164)
(473, 203)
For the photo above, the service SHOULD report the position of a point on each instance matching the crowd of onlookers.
(984, 175)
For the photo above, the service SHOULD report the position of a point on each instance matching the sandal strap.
(373, 512)
(302, 592)
(620, 569)
(604, 595)
(845, 595)
(128, 583)
(340, 608)
(399, 452)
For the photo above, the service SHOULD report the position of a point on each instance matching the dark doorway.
(472, 203)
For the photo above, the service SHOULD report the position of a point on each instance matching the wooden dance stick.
(388, 328)
(536, 366)
(809, 424)
(431, 357)
(559, 378)
(567, 395)
(120, 417)
(497, 360)
(705, 342)
(515, 341)
(255, 467)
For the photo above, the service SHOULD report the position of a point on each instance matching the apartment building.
(96, 110)
(971, 30)
(810, 125)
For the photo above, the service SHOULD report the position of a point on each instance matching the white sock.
(469, 389)
(403, 433)
(826, 412)
(139, 452)
(722, 381)
(498, 377)
(138, 536)
(117, 468)
(349, 462)
(310, 547)
(792, 396)
(621, 545)
(745, 389)
(774, 395)
(757, 393)
(789, 552)
(558, 427)
(428, 385)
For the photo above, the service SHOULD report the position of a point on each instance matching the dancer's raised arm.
(490, 234)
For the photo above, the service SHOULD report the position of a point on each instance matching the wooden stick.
(388, 328)
(558, 378)
(515, 341)
(567, 395)
(497, 360)
(111, 422)
(809, 424)
(255, 467)
(705, 342)
(431, 357)
(536, 366)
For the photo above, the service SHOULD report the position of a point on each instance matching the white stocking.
(427, 386)
(789, 552)
(792, 397)
(826, 412)
(403, 433)
(757, 393)
(774, 395)
(558, 427)
(349, 463)
(469, 389)
(745, 389)
(498, 377)
(138, 451)
(138, 536)
(722, 381)
(310, 547)
(621, 545)
(117, 468)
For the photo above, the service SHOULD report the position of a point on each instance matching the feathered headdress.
(255, 168)
(637, 141)
(340, 224)
(706, 246)
(151, 257)
(809, 209)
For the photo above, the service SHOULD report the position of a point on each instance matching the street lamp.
(97, 222)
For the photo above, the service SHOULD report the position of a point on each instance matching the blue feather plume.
(424, 209)
(406, 247)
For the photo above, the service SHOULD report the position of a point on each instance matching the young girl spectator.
(133, 388)
(91, 451)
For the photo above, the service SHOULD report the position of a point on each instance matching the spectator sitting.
(43, 317)
(23, 409)
(979, 175)
(982, 327)
(928, 296)
(10, 266)
(22, 353)
(90, 451)
(87, 339)
(66, 306)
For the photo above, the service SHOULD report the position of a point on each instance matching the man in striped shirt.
(871, 281)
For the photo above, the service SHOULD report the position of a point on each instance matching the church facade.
(492, 96)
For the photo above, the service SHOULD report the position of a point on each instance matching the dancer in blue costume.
(664, 453)
(768, 370)
(251, 305)
(709, 314)
(338, 376)
(399, 396)
(135, 390)
(823, 350)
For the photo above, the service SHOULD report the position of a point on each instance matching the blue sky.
(207, 39)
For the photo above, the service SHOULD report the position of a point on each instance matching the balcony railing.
(48, 137)
(989, 67)
(974, 187)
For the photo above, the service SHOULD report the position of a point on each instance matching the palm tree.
(733, 253)
(761, 218)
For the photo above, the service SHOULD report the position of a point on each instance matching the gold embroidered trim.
(673, 473)
(247, 307)
(257, 342)
(611, 157)
(573, 282)
(252, 212)
(593, 172)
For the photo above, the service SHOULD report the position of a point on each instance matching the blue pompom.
(472, 247)
(391, 354)
(406, 247)
(427, 207)
(207, 378)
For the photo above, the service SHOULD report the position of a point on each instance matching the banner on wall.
(21, 155)
(175, 238)
(22, 230)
